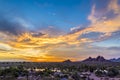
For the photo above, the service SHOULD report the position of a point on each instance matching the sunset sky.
(56, 30)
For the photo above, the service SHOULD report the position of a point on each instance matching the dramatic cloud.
(5, 47)
(103, 24)
(10, 27)
(114, 6)
(50, 44)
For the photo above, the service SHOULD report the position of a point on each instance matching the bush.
(112, 72)
(99, 73)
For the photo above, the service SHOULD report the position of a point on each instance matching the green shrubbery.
(112, 72)
(13, 71)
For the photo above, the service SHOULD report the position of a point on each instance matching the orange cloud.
(40, 48)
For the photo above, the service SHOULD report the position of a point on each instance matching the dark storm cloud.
(11, 27)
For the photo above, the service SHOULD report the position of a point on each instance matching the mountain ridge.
(97, 59)
(115, 60)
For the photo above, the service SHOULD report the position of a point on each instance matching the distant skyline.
(56, 30)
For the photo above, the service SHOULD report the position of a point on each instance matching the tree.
(99, 73)
(75, 76)
(112, 72)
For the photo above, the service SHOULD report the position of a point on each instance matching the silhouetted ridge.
(115, 60)
(67, 61)
(98, 58)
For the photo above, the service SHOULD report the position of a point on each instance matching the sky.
(56, 30)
